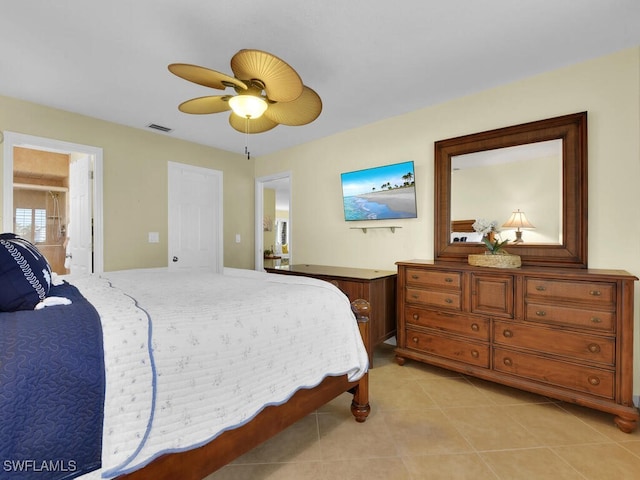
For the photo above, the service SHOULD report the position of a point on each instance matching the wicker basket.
(495, 261)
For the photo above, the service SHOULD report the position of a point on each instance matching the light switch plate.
(154, 237)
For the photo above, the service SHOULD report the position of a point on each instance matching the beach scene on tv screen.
(380, 193)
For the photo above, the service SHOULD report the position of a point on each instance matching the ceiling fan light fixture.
(248, 106)
(271, 87)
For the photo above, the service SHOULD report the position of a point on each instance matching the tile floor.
(429, 423)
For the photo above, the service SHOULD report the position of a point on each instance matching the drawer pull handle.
(594, 348)
(415, 339)
(415, 277)
(595, 293)
(507, 333)
(594, 380)
(475, 353)
(507, 361)
(414, 295)
(475, 327)
(448, 280)
(596, 320)
(541, 313)
(416, 316)
(448, 300)
(541, 288)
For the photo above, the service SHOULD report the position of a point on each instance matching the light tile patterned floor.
(429, 423)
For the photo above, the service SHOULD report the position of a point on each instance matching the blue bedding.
(51, 390)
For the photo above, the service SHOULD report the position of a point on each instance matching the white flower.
(484, 226)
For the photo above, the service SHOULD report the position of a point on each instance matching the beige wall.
(135, 182)
(608, 88)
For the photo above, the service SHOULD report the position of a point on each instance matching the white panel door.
(80, 246)
(195, 218)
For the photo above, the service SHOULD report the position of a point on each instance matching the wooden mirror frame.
(572, 129)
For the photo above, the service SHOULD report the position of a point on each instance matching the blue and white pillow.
(25, 274)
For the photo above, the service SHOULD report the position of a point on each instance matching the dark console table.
(378, 287)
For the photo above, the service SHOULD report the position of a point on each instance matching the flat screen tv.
(380, 193)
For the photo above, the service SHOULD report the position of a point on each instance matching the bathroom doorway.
(40, 194)
(52, 195)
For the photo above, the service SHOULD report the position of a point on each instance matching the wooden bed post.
(360, 407)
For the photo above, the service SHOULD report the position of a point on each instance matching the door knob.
(175, 259)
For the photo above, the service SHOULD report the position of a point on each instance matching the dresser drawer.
(422, 278)
(459, 350)
(434, 298)
(477, 328)
(591, 380)
(576, 317)
(603, 294)
(545, 340)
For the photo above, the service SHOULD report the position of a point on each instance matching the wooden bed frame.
(467, 226)
(462, 225)
(198, 463)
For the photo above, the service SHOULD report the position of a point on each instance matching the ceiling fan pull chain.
(246, 140)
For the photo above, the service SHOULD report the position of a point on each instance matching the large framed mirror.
(538, 169)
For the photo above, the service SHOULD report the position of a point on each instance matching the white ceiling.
(367, 59)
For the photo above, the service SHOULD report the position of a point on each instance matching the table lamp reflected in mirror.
(518, 220)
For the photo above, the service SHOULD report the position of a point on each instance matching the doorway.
(195, 218)
(85, 198)
(40, 193)
(273, 221)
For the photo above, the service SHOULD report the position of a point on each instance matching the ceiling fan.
(268, 92)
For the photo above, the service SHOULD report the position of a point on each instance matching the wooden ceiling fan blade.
(205, 76)
(205, 105)
(305, 109)
(255, 125)
(281, 82)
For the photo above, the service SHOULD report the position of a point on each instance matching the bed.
(462, 231)
(197, 369)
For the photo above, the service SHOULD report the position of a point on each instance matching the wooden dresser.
(378, 287)
(560, 332)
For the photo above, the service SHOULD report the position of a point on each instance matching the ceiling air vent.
(155, 126)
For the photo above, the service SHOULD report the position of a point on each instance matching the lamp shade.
(248, 106)
(517, 220)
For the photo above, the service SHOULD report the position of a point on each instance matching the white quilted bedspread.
(205, 353)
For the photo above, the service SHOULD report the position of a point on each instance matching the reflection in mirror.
(492, 184)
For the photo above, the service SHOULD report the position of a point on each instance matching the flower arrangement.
(485, 227)
(495, 246)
